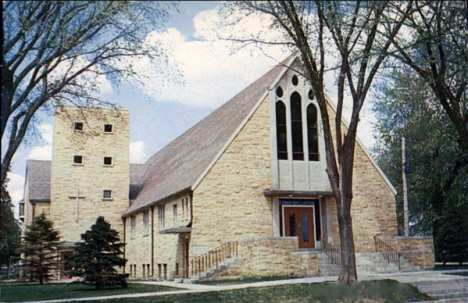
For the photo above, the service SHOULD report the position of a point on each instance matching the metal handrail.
(332, 252)
(213, 257)
(391, 254)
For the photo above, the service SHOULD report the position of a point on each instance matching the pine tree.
(9, 229)
(40, 247)
(97, 257)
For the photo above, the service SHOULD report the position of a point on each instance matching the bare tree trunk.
(348, 272)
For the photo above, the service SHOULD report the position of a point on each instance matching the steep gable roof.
(38, 174)
(38, 180)
(179, 165)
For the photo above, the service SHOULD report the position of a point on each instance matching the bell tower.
(90, 169)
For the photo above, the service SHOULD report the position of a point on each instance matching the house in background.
(243, 192)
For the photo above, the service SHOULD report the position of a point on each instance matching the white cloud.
(137, 152)
(43, 152)
(46, 132)
(213, 70)
(15, 188)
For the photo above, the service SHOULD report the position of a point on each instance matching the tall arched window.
(281, 137)
(296, 127)
(312, 133)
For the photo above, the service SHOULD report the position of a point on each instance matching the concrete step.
(222, 266)
(453, 295)
(326, 267)
(446, 290)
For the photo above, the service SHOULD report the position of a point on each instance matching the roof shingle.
(178, 166)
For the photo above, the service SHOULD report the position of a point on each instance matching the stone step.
(453, 295)
(440, 287)
(222, 266)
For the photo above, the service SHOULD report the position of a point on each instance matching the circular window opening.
(311, 94)
(279, 92)
(295, 80)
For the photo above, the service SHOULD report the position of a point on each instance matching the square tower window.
(108, 128)
(107, 194)
(108, 161)
(78, 160)
(78, 126)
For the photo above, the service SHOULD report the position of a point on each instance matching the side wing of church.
(243, 192)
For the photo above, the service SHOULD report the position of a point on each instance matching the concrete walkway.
(188, 288)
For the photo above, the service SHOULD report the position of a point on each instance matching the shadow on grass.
(33, 292)
(368, 291)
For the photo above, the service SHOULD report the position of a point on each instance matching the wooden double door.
(299, 222)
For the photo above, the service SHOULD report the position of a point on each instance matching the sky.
(213, 71)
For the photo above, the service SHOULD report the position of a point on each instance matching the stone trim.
(39, 200)
(176, 230)
(160, 201)
(241, 126)
(295, 193)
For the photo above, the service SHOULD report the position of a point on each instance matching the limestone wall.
(228, 204)
(41, 207)
(373, 208)
(168, 249)
(273, 256)
(92, 177)
(420, 250)
(138, 247)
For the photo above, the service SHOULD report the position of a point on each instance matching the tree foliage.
(97, 257)
(438, 178)
(58, 52)
(435, 46)
(40, 247)
(353, 39)
(9, 229)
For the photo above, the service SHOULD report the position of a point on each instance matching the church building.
(243, 192)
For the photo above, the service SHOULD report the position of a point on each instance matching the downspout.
(152, 241)
(190, 240)
(124, 219)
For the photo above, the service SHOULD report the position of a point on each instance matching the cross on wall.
(77, 198)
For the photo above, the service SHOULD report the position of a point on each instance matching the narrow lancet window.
(281, 139)
(296, 127)
(312, 133)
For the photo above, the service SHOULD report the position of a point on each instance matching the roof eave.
(159, 201)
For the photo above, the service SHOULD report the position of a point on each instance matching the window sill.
(107, 199)
(106, 165)
(78, 164)
(146, 235)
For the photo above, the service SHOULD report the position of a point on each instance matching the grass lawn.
(363, 292)
(32, 292)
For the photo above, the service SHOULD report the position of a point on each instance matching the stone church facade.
(243, 192)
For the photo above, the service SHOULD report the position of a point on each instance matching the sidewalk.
(187, 288)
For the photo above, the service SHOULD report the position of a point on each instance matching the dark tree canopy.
(58, 52)
(438, 176)
(9, 229)
(99, 255)
(40, 247)
(435, 47)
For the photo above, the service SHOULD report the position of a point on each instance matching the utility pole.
(405, 188)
